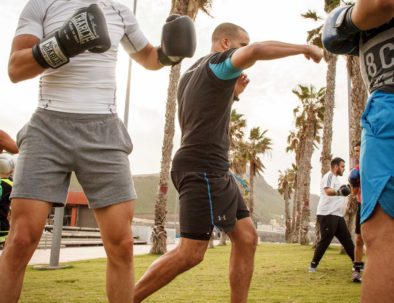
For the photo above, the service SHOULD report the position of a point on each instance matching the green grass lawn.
(280, 275)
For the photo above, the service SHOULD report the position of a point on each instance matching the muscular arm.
(368, 14)
(330, 191)
(148, 57)
(7, 143)
(246, 56)
(22, 65)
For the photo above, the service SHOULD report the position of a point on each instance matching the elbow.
(13, 73)
(13, 77)
(256, 49)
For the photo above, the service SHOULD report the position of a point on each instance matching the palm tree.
(237, 155)
(357, 100)
(285, 188)
(159, 236)
(309, 117)
(314, 37)
(258, 143)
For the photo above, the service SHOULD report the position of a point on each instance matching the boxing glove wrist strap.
(49, 53)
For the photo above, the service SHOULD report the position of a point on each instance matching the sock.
(358, 266)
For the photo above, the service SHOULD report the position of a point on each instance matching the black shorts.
(207, 200)
(358, 227)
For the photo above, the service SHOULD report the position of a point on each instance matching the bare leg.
(358, 250)
(378, 235)
(244, 242)
(27, 223)
(185, 256)
(115, 226)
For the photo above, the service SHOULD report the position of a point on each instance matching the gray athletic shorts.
(53, 144)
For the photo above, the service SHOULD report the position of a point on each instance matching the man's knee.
(120, 251)
(20, 242)
(248, 239)
(192, 259)
(191, 254)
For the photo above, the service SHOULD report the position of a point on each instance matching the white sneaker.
(312, 269)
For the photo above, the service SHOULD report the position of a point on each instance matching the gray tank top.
(377, 58)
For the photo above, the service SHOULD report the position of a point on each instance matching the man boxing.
(367, 30)
(76, 128)
(209, 196)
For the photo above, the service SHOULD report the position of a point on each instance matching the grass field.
(280, 275)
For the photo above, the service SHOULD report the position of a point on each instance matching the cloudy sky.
(267, 102)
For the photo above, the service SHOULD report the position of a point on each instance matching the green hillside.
(268, 203)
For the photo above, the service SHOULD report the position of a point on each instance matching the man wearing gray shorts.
(75, 128)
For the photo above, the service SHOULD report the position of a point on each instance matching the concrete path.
(68, 254)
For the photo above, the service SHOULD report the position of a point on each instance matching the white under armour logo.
(222, 218)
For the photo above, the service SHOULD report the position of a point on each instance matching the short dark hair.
(226, 30)
(358, 143)
(336, 161)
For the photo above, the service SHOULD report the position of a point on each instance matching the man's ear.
(225, 43)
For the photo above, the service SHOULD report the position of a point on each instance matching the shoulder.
(220, 57)
(327, 179)
(121, 8)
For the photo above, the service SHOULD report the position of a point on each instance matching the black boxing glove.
(85, 30)
(178, 40)
(339, 34)
(344, 190)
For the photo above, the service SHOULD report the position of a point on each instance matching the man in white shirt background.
(330, 213)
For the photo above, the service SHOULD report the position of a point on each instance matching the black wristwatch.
(236, 98)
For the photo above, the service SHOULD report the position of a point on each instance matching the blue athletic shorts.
(377, 155)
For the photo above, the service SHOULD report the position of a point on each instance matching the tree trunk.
(251, 188)
(357, 100)
(210, 243)
(297, 197)
(305, 174)
(286, 196)
(159, 235)
(293, 231)
(329, 103)
(223, 238)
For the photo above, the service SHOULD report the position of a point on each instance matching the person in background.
(354, 181)
(330, 211)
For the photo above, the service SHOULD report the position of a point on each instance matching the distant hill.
(268, 203)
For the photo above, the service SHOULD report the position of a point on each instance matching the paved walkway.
(68, 254)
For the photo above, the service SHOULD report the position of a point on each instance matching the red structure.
(74, 201)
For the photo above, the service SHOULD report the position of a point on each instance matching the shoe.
(356, 276)
(312, 269)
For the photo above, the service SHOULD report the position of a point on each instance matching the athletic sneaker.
(312, 269)
(356, 276)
